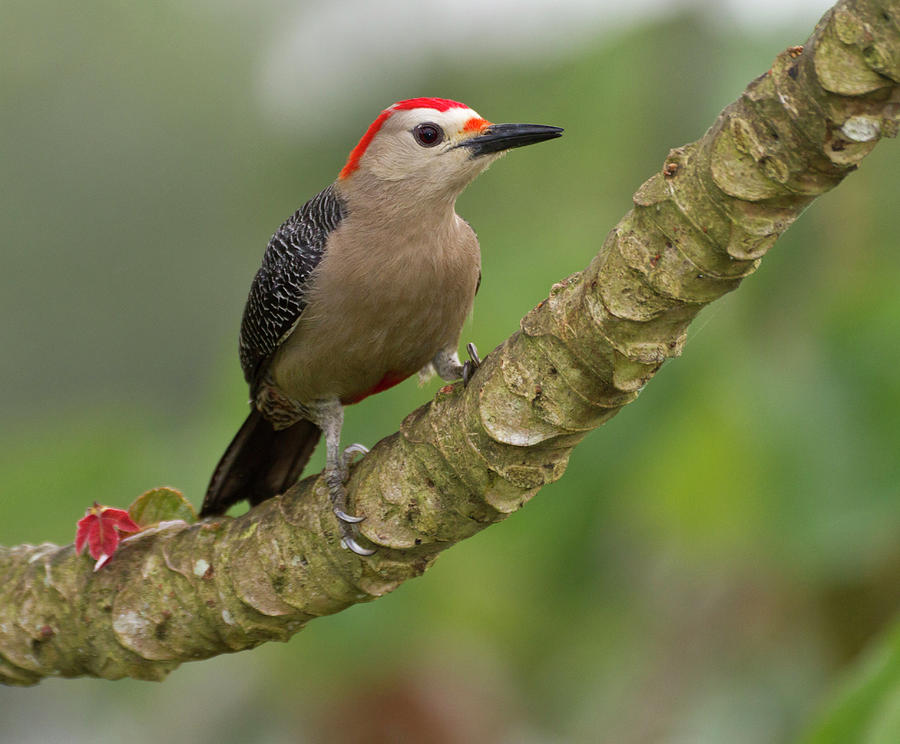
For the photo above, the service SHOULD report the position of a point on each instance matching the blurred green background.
(716, 559)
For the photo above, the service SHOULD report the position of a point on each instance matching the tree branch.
(472, 456)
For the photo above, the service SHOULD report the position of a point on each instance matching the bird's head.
(432, 147)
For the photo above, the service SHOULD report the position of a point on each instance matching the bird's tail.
(259, 463)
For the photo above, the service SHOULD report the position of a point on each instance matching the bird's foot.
(338, 492)
(346, 461)
(473, 363)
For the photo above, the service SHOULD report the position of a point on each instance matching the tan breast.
(382, 304)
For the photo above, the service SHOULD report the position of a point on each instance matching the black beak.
(499, 137)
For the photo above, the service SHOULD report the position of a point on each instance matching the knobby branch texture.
(472, 456)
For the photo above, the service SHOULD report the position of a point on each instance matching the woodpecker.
(366, 284)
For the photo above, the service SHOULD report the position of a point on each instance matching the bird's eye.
(428, 135)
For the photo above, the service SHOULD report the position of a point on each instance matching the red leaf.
(81, 533)
(120, 519)
(100, 530)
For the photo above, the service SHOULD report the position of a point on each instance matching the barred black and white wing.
(261, 461)
(278, 293)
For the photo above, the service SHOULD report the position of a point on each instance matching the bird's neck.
(399, 205)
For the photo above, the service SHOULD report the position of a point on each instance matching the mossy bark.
(472, 456)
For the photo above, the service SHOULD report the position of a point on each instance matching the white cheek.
(435, 171)
(399, 160)
(392, 160)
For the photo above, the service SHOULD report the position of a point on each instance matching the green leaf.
(867, 709)
(161, 505)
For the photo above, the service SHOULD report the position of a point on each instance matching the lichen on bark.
(472, 456)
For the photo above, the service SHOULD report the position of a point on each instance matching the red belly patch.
(388, 381)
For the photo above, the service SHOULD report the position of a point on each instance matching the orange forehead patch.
(475, 124)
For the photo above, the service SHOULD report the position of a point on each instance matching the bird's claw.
(354, 449)
(349, 452)
(350, 544)
(347, 518)
(473, 354)
(473, 363)
(346, 521)
(347, 524)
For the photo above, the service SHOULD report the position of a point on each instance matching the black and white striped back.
(278, 293)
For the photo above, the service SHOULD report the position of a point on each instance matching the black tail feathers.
(259, 463)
